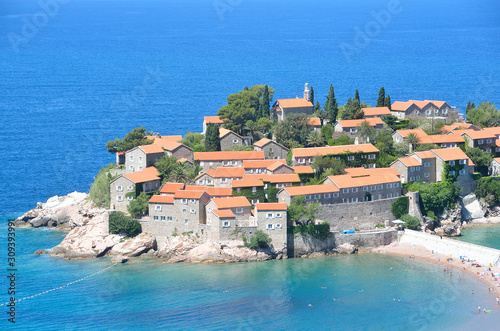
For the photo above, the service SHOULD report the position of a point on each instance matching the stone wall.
(360, 215)
(455, 248)
(367, 239)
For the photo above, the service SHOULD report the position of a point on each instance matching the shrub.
(400, 206)
(379, 225)
(411, 222)
(99, 192)
(436, 197)
(319, 231)
(431, 215)
(489, 188)
(259, 240)
(119, 223)
(139, 206)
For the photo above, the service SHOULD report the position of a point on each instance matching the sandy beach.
(421, 253)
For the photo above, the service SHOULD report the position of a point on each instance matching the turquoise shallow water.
(488, 236)
(274, 295)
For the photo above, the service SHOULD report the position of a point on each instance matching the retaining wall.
(455, 248)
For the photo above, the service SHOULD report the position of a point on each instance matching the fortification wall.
(360, 215)
(455, 248)
(367, 239)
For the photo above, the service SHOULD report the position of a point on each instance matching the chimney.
(306, 92)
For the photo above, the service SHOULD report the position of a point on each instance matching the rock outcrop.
(471, 208)
(136, 246)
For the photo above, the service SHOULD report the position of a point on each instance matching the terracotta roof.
(314, 121)
(480, 134)
(165, 138)
(151, 149)
(188, 194)
(233, 202)
(294, 103)
(400, 106)
(303, 169)
(213, 119)
(143, 176)
(121, 153)
(450, 154)
(284, 178)
(497, 143)
(171, 188)
(355, 123)
(261, 164)
(495, 130)
(334, 150)
(224, 132)
(437, 103)
(371, 171)
(227, 156)
(441, 139)
(376, 111)
(347, 181)
(195, 188)
(161, 199)
(241, 183)
(276, 165)
(456, 126)
(229, 172)
(225, 213)
(219, 191)
(270, 206)
(410, 161)
(182, 160)
(263, 177)
(425, 155)
(497, 159)
(311, 189)
(419, 103)
(405, 133)
(210, 172)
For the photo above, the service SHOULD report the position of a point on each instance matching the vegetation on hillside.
(400, 206)
(319, 231)
(212, 138)
(259, 240)
(486, 115)
(489, 189)
(299, 210)
(121, 224)
(139, 206)
(99, 192)
(481, 159)
(134, 138)
(411, 222)
(195, 141)
(436, 197)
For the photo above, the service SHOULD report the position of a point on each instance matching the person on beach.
(472, 291)
(479, 310)
(498, 301)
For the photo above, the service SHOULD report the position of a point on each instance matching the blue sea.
(77, 73)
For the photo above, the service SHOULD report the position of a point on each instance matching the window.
(254, 201)
(254, 189)
(131, 168)
(184, 211)
(163, 218)
(443, 145)
(308, 197)
(251, 171)
(226, 224)
(436, 111)
(418, 177)
(365, 188)
(345, 200)
(363, 156)
(184, 201)
(202, 163)
(130, 198)
(371, 156)
(119, 198)
(412, 169)
(488, 150)
(416, 112)
(337, 158)
(157, 208)
(302, 160)
(395, 195)
(278, 215)
(278, 226)
(429, 112)
(354, 199)
(131, 158)
(354, 190)
(192, 211)
(317, 196)
(336, 195)
(269, 215)
(169, 218)
(235, 141)
(269, 227)
(461, 172)
(381, 186)
(389, 185)
(223, 180)
(395, 185)
(327, 195)
(350, 158)
(140, 158)
(451, 163)
(427, 175)
(389, 195)
(480, 141)
(417, 168)
(452, 173)
(412, 179)
(186, 221)
(372, 166)
(119, 188)
(427, 164)
(130, 188)
(192, 201)
(239, 210)
(488, 141)
(345, 190)
(156, 218)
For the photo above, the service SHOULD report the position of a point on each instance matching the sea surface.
(488, 236)
(75, 74)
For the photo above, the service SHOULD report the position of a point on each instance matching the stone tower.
(306, 92)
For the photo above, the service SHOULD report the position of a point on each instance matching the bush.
(436, 197)
(489, 188)
(319, 231)
(99, 192)
(259, 240)
(400, 206)
(139, 206)
(119, 223)
(380, 225)
(411, 222)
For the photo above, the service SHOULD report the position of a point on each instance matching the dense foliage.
(319, 231)
(436, 197)
(99, 192)
(481, 159)
(486, 115)
(293, 131)
(400, 206)
(489, 189)
(331, 107)
(411, 222)
(212, 138)
(298, 209)
(119, 223)
(194, 140)
(134, 138)
(139, 206)
(259, 240)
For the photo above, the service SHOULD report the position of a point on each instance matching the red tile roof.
(188, 194)
(314, 121)
(228, 156)
(334, 150)
(370, 171)
(294, 103)
(425, 155)
(261, 164)
(213, 119)
(450, 154)
(400, 106)
(225, 213)
(311, 189)
(410, 161)
(456, 126)
(224, 132)
(405, 133)
(219, 191)
(195, 188)
(355, 123)
(376, 111)
(229, 172)
(284, 178)
(441, 139)
(419, 103)
(152, 149)
(242, 183)
(303, 170)
(233, 202)
(270, 206)
(480, 134)
(348, 181)
(146, 175)
(276, 165)
(171, 188)
(210, 172)
(161, 199)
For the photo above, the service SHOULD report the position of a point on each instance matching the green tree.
(367, 132)
(331, 106)
(265, 102)
(212, 138)
(265, 125)
(400, 206)
(412, 140)
(139, 206)
(121, 224)
(469, 107)
(436, 197)
(489, 189)
(387, 101)
(252, 128)
(311, 95)
(481, 159)
(411, 222)
(293, 131)
(259, 240)
(136, 137)
(194, 140)
(298, 210)
(179, 174)
(99, 192)
(327, 132)
(381, 97)
(356, 96)
(486, 115)
(391, 121)
(165, 165)
(351, 110)
(327, 166)
(240, 108)
(315, 139)
(342, 140)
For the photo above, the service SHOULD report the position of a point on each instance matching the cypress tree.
(381, 97)
(265, 102)
(311, 95)
(331, 106)
(212, 139)
(387, 102)
(356, 96)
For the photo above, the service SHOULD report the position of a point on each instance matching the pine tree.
(387, 101)
(331, 106)
(265, 102)
(356, 95)
(311, 95)
(381, 97)
(212, 139)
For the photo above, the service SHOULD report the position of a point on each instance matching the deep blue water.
(96, 69)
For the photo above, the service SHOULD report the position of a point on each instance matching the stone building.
(376, 112)
(400, 135)
(427, 108)
(125, 188)
(283, 107)
(495, 167)
(271, 149)
(272, 220)
(419, 166)
(353, 126)
(266, 166)
(230, 140)
(140, 157)
(226, 159)
(485, 140)
(353, 155)
(211, 120)
(459, 165)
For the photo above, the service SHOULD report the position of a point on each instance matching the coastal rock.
(231, 251)
(176, 246)
(448, 231)
(472, 209)
(346, 249)
(119, 259)
(135, 246)
(41, 252)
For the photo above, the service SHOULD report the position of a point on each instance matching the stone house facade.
(272, 220)
(325, 194)
(485, 140)
(125, 188)
(211, 120)
(141, 157)
(271, 149)
(226, 159)
(353, 155)
(419, 166)
(495, 167)
(284, 107)
(353, 126)
(230, 140)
